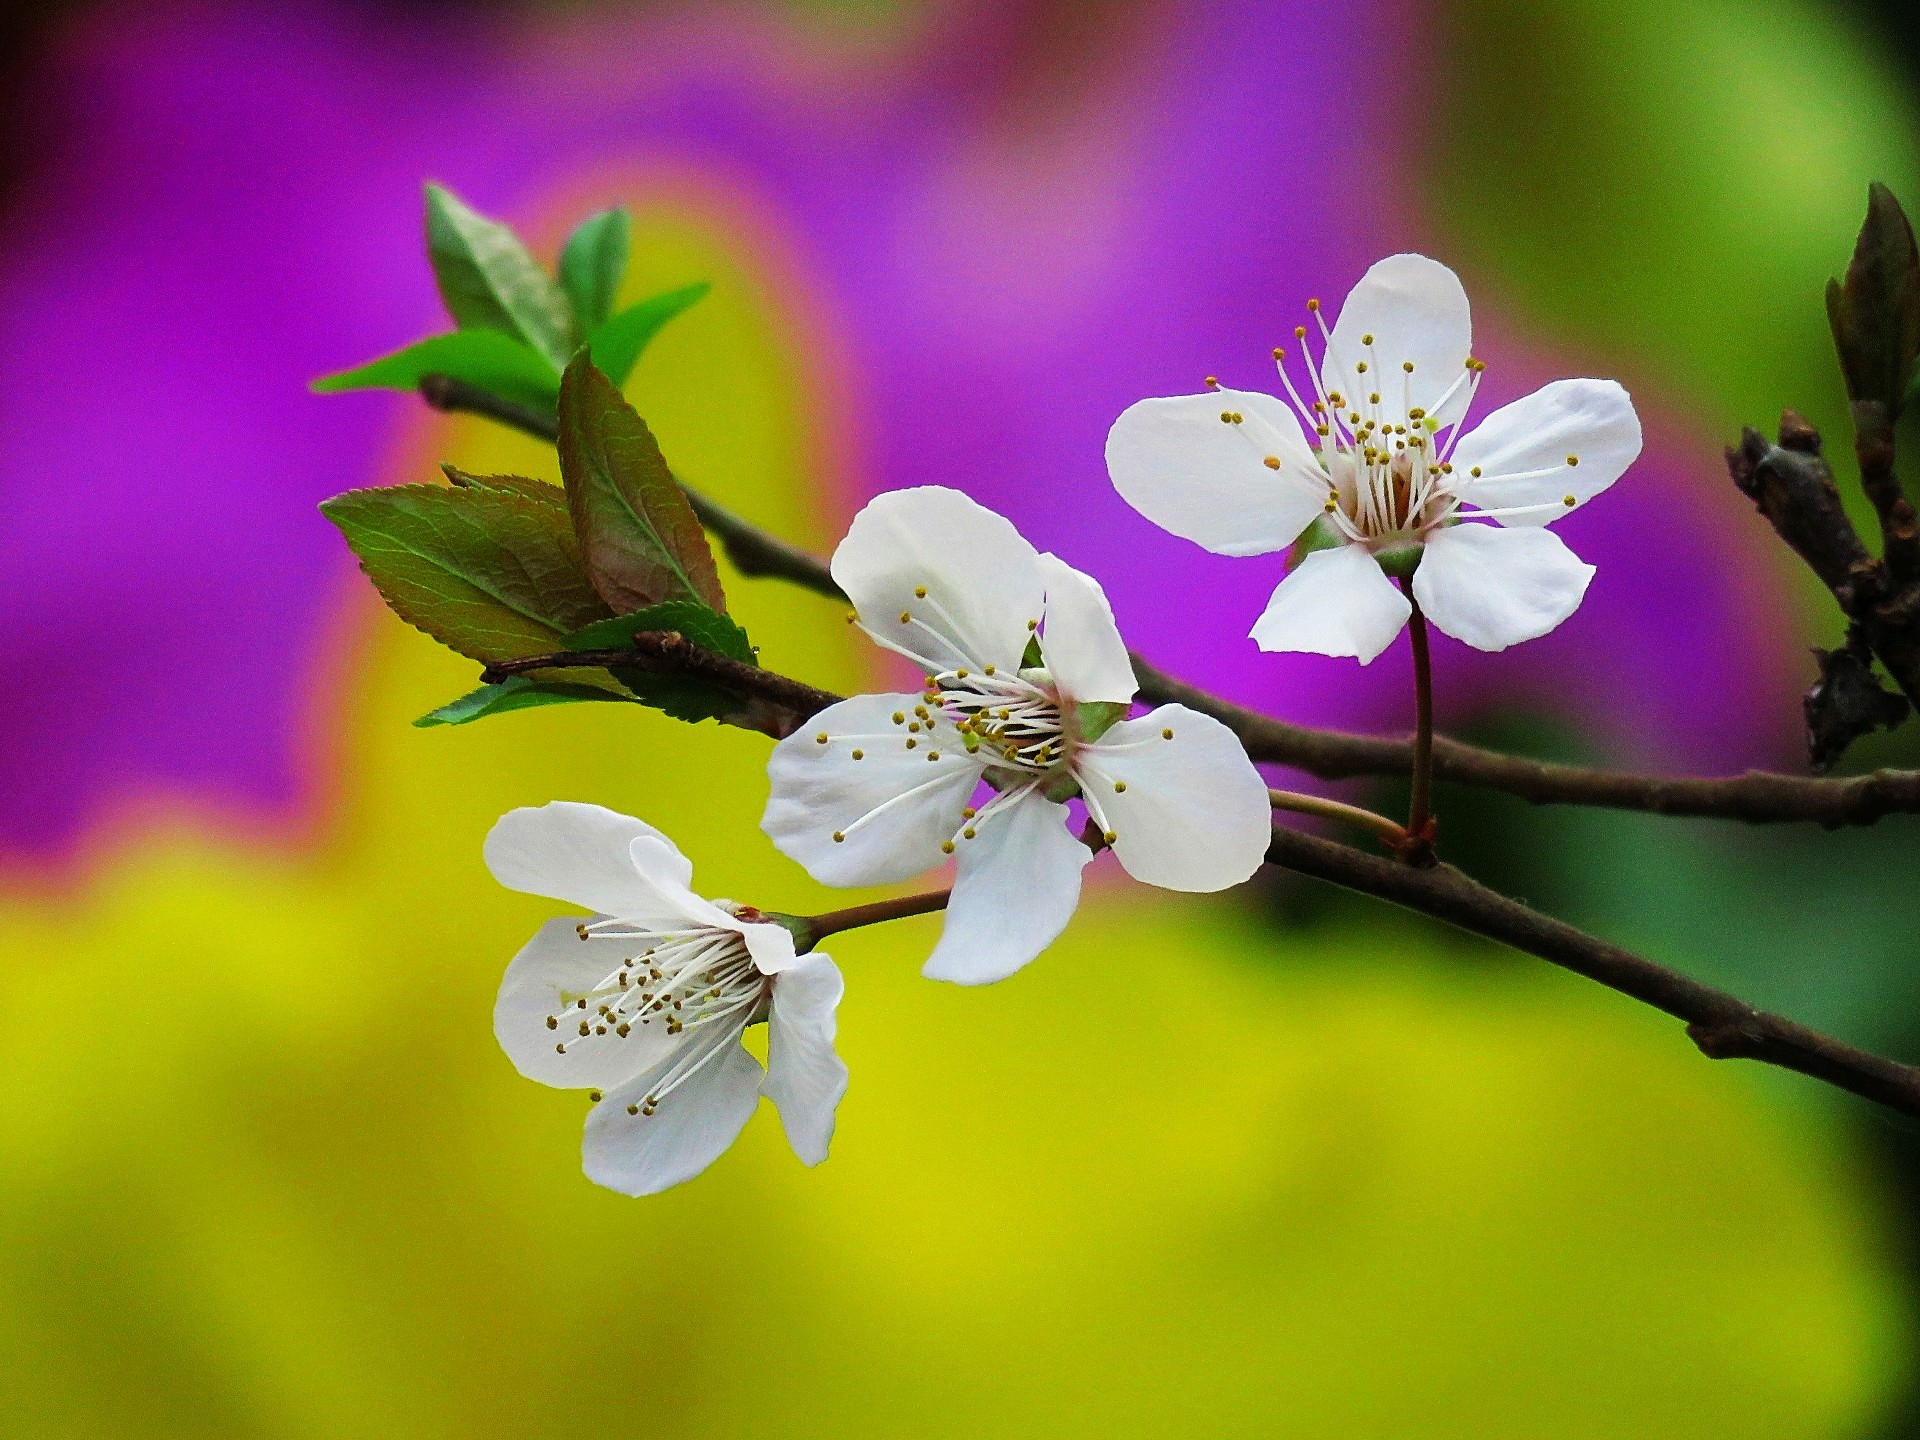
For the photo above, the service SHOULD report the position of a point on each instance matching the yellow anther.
(553, 1023)
(990, 670)
(1213, 382)
(1226, 417)
(1374, 398)
(899, 717)
(1109, 836)
(933, 755)
(1119, 787)
(1567, 500)
(1573, 459)
(633, 1109)
(1361, 368)
(1313, 304)
(905, 617)
(968, 812)
(839, 837)
(594, 1096)
(1407, 365)
(1166, 734)
(946, 847)
(1299, 332)
(968, 833)
(859, 754)
(1278, 353)
(919, 592)
(1366, 339)
(1475, 472)
(1272, 462)
(1033, 624)
(1238, 417)
(821, 738)
(852, 616)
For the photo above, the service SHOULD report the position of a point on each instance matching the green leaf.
(638, 535)
(1875, 311)
(516, 692)
(492, 574)
(617, 344)
(678, 695)
(497, 363)
(490, 282)
(594, 263)
(541, 492)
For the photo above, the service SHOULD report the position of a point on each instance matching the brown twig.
(1722, 1026)
(1757, 797)
(833, 922)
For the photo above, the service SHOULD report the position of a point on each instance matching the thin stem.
(1419, 848)
(819, 927)
(1327, 809)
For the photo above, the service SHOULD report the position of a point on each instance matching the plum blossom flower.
(1027, 681)
(1388, 469)
(646, 1002)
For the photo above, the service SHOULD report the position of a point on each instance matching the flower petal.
(1014, 892)
(1079, 642)
(1590, 420)
(645, 1154)
(771, 946)
(981, 579)
(577, 853)
(893, 805)
(1493, 588)
(805, 1078)
(554, 970)
(1416, 310)
(1207, 481)
(1336, 602)
(1186, 808)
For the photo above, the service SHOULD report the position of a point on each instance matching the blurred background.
(1282, 1162)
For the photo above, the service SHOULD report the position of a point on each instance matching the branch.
(668, 652)
(750, 549)
(1758, 798)
(1722, 1026)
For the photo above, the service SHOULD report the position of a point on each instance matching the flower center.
(700, 982)
(1014, 722)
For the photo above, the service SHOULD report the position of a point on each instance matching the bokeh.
(1281, 1162)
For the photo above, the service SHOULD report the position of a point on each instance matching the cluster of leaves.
(502, 567)
(518, 326)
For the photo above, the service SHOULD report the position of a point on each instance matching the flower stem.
(1299, 804)
(1419, 838)
(819, 927)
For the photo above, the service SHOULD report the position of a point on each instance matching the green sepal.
(593, 264)
(616, 344)
(1094, 718)
(682, 697)
(1322, 534)
(1031, 658)
(1401, 561)
(489, 281)
(516, 692)
(488, 359)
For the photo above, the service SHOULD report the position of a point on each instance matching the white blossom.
(646, 1001)
(1386, 460)
(1026, 683)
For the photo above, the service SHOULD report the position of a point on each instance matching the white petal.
(982, 578)
(576, 853)
(555, 969)
(1177, 463)
(1592, 420)
(658, 900)
(1416, 310)
(820, 789)
(1493, 588)
(1193, 813)
(1079, 642)
(771, 946)
(805, 1078)
(1013, 893)
(1336, 602)
(644, 1154)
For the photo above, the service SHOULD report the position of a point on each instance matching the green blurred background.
(1282, 1163)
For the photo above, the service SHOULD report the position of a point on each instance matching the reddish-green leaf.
(639, 537)
(490, 573)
